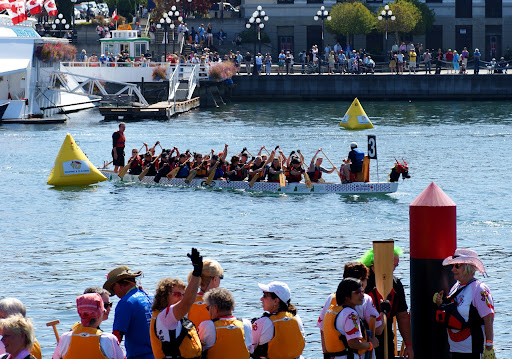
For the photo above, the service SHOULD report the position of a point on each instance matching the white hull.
(291, 188)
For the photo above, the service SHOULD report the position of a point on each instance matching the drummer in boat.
(353, 164)
(316, 169)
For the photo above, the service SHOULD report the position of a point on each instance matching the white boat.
(26, 82)
(291, 188)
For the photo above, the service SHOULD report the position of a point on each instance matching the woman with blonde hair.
(211, 276)
(172, 334)
(17, 337)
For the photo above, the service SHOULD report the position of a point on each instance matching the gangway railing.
(92, 83)
(174, 82)
(193, 81)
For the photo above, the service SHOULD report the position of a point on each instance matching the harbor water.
(55, 242)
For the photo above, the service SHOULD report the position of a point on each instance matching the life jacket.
(239, 173)
(186, 345)
(293, 178)
(336, 343)
(121, 140)
(377, 297)
(203, 170)
(258, 175)
(85, 343)
(198, 312)
(460, 329)
(273, 177)
(288, 341)
(315, 175)
(229, 340)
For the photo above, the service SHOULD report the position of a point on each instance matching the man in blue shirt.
(354, 162)
(133, 312)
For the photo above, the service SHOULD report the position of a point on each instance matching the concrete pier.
(373, 87)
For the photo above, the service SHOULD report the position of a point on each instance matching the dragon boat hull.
(290, 188)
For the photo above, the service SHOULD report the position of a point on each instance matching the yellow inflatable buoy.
(355, 118)
(72, 167)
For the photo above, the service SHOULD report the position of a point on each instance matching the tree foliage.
(407, 17)
(196, 6)
(350, 18)
(428, 17)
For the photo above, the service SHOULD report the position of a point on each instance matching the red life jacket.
(121, 140)
(315, 175)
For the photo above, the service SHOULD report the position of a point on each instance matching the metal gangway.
(86, 85)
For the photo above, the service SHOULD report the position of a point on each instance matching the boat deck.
(34, 121)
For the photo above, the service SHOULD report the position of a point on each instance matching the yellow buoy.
(72, 167)
(356, 118)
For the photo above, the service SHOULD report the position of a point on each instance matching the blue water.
(55, 242)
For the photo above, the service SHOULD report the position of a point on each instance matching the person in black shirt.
(395, 305)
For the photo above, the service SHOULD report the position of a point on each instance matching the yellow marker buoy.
(72, 167)
(356, 118)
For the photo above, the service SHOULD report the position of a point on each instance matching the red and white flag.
(17, 11)
(4, 5)
(50, 7)
(35, 6)
(114, 15)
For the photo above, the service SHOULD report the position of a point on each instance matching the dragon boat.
(273, 187)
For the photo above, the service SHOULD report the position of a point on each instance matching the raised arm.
(183, 306)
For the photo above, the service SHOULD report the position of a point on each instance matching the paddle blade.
(282, 180)
(212, 174)
(253, 179)
(383, 253)
(190, 176)
(174, 172)
(144, 172)
(125, 169)
(307, 180)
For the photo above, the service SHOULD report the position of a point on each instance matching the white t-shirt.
(108, 343)
(263, 330)
(348, 324)
(478, 294)
(2, 348)
(208, 334)
(365, 310)
(166, 321)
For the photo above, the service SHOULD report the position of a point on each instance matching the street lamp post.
(385, 15)
(257, 22)
(73, 30)
(323, 15)
(60, 22)
(168, 22)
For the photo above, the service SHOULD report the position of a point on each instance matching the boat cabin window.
(108, 47)
(140, 49)
(124, 47)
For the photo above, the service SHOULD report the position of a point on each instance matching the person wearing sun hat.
(468, 309)
(87, 340)
(133, 312)
(279, 333)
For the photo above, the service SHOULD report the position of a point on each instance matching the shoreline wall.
(373, 87)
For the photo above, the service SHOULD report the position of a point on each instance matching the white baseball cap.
(353, 145)
(278, 288)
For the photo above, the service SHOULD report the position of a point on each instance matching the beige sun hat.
(465, 256)
(117, 274)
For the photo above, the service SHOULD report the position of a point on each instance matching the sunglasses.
(359, 291)
(108, 305)
(177, 294)
(267, 294)
(457, 265)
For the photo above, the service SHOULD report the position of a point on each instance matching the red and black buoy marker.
(433, 237)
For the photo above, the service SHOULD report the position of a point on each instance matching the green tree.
(350, 18)
(407, 17)
(428, 17)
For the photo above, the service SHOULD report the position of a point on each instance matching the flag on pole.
(50, 7)
(114, 15)
(22, 12)
(35, 6)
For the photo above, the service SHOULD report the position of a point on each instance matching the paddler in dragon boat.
(316, 169)
(294, 170)
(353, 164)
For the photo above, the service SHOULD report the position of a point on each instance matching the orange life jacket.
(85, 343)
(288, 341)
(229, 340)
(198, 312)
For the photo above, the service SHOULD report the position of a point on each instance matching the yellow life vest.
(198, 312)
(156, 344)
(36, 350)
(288, 341)
(188, 342)
(229, 340)
(335, 342)
(85, 343)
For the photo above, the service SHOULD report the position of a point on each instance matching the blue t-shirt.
(133, 316)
